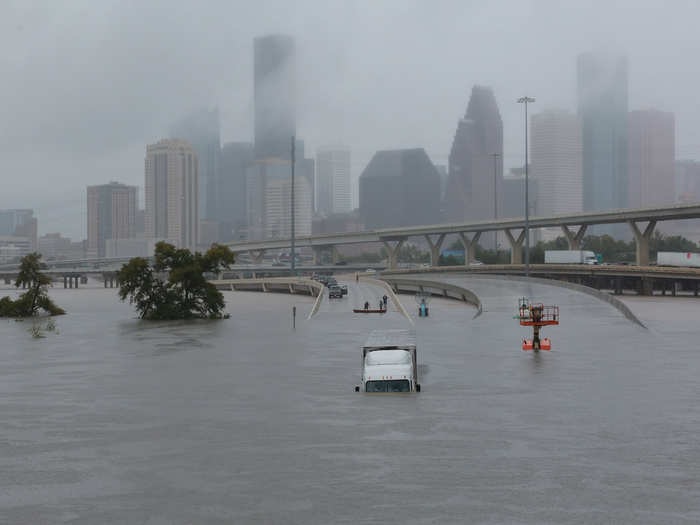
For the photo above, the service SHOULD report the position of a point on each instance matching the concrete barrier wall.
(450, 291)
(392, 295)
(293, 285)
(603, 296)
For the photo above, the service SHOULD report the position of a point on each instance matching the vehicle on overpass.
(570, 257)
(389, 363)
(678, 259)
(537, 316)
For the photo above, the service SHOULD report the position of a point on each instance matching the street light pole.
(526, 100)
(294, 262)
(495, 202)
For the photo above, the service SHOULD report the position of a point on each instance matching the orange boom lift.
(537, 315)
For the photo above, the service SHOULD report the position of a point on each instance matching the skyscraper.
(474, 177)
(172, 192)
(275, 96)
(651, 161)
(556, 154)
(111, 214)
(602, 108)
(202, 130)
(236, 158)
(333, 188)
(269, 198)
(399, 188)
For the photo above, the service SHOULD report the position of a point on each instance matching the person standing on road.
(384, 298)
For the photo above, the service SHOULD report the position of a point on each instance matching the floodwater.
(116, 420)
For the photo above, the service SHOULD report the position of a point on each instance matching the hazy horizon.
(89, 84)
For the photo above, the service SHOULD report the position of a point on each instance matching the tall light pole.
(294, 262)
(495, 202)
(526, 100)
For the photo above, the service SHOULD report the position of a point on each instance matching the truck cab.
(389, 363)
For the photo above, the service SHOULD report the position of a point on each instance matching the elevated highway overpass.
(642, 222)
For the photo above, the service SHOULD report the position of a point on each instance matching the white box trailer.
(389, 362)
(678, 259)
(569, 257)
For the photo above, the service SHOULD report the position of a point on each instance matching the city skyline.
(343, 74)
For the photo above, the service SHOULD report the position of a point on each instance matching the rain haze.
(87, 85)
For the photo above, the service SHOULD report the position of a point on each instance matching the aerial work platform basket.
(537, 315)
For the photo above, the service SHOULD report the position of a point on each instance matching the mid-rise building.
(171, 173)
(111, 214)
(399, 188)
(333, 186)
(556, 165)
(602, 108)
(651, 159)
(202, 130)
(53, 246)
(687, 181)
(275, 96)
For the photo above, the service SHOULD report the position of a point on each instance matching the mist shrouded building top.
(202, 130)
(399, 188)
(602, 109)
(470, 185)
(275, 95)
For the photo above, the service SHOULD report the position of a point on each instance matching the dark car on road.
(335, 292)
(344, 289)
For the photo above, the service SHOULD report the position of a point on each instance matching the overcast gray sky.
(86, 84)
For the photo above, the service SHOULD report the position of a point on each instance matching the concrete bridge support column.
(516, 246)
(334, 255)
(65, 281)
(77, 280)
(70, 282)
(256, 256)
(642, 241)
(435, 248)
(318, 255)
(469, 246)
(393, 252)
(574, 239)
(647, 286)
(104, 277)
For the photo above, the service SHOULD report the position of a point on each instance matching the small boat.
(369, 311)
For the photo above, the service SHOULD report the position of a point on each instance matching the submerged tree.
(176, 286)
(36, 297)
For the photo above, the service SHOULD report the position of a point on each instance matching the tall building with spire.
(475, 167)
(471, 166)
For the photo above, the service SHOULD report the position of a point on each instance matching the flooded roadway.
(114, 420)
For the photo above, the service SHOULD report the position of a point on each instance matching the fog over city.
(87, 84)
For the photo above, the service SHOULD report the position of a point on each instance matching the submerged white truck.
(389, 362)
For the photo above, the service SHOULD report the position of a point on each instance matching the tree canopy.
(36, 297)
(176, 286)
